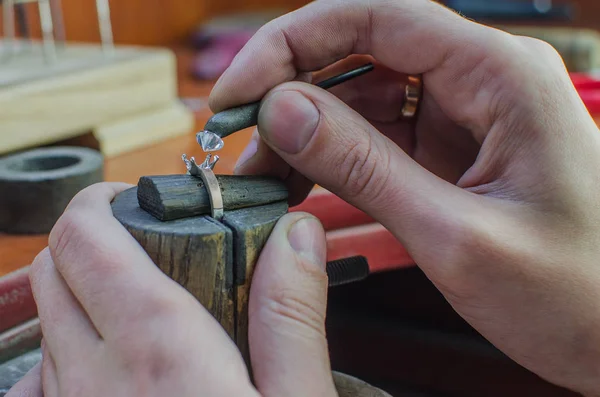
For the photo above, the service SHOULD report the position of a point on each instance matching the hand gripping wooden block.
(213, 260)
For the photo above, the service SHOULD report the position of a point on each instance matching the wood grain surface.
(251, 228)
(213, 260)
(193, 252)
(169, 197)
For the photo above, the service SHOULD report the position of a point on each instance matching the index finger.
(108, 272)
(413, 37)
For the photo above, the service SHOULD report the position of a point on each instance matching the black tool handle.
(238, 118)
(347, 270)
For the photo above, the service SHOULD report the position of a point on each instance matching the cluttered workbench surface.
(164, 157)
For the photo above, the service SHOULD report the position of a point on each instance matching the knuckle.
(141, 344)
(164, 308)
(38, 261)
(285, 305)
(525, 76)
(73, 382)
(75, 249)
(138, 350)
(74, 389)
(362, 171)
(542, 59)
(149, 363)
(152, 309)
(38, 266)
(542, 48)
(460, 243)
(65, 235)
(86, 194)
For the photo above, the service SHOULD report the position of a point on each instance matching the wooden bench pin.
(209, 241)
(210, 251)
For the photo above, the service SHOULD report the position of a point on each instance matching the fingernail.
(308, 240)
(288, 120)
(248, 152)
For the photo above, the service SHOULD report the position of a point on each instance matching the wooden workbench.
(159, 159)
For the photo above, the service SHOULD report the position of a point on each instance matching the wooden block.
(144, 129)
(213, 260)
(193, 252)
(169, 197)
(251, 228)
(83, 90)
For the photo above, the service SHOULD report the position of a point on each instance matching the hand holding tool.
(238, 118)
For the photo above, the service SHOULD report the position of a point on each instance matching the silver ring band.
(214, 192)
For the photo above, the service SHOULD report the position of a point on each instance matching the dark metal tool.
(235, 119)
(347, 270)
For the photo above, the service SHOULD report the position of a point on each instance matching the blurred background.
(166, 22)
(183, 22)
(130, 79)
(204, 36)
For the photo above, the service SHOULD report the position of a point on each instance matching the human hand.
(115, 325)
(493, 189)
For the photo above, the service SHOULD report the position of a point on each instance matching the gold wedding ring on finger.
(412, 96)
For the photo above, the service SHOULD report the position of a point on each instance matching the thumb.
(287, 307)
(332, 145)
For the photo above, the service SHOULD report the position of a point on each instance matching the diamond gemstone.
(209, 141)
